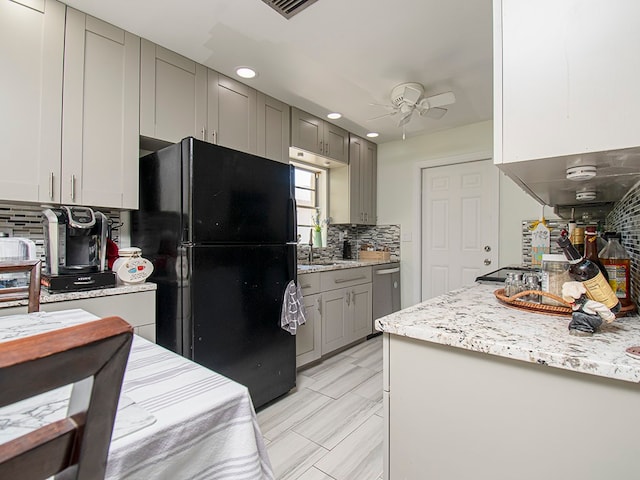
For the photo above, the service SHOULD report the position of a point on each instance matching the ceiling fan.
(409, 97)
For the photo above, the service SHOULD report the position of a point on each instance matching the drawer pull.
(387, 271)
(344, 280)
(308, 285)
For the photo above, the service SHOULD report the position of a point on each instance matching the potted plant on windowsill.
(316, 229)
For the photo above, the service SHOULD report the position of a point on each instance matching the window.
(309, 197)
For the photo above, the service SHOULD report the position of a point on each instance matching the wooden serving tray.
(515, 302)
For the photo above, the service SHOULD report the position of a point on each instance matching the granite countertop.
(46, 297)
(472, 318)
(327, 265)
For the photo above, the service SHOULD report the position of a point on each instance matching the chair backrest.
(91, 356)
(31, 266)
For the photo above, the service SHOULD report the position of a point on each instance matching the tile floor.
(330, 426)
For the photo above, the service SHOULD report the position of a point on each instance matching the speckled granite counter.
(326, 265)
(472, 318)
(46, 297)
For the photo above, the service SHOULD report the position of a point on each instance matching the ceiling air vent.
(289, 8)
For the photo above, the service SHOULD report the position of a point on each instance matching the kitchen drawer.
(347, 277)
(309, 283)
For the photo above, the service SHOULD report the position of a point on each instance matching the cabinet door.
(232, 113)
(572, 89)
(100, 114)
(336, 143)
(307, 131)
(368, 179)
(273, 129)
(31, 58)
(309, 335)
(361, 317)
(335, 311)
(173, 95)
(356, 167)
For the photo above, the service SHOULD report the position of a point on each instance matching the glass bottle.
(616, 261)
(577, 239)
(583, 270)
(591, 249)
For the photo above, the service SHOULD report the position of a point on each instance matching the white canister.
(555, 272)
(130, 267)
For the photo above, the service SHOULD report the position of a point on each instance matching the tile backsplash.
(625, 219)
(26, 221)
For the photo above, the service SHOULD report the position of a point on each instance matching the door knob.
(487, 261)
(487, 248)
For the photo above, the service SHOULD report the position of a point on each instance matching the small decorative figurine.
(587, 315)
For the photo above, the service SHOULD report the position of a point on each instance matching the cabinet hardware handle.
(204, 134)
(51, 185)
(353, 297)
(343, 280)
(73, 188)
(319, 306)
(387, 271)
(213, 137)
(347, 299)
(320, 147)
(308, 285)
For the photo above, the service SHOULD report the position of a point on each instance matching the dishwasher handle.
(387, 271)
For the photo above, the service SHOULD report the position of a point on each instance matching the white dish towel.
(293, 313)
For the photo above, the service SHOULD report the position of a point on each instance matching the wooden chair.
(92, 356)
(31, 266)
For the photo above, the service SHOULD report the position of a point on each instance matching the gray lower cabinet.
(32, 42)
(137, 308)
(338, 305)
(353, 187)
(314, 135)
(100, 114)
(173, 95)
(346, 307)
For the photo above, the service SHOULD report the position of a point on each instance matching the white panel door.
(459, 225)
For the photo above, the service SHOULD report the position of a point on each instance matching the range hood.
(590, 183)
(300, 155)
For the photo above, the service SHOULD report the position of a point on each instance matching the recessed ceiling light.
(372, 134)
(581, 173)
(334, 115)
(586, 196)
(246, 72)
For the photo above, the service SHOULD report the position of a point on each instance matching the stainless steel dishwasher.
(386, 291)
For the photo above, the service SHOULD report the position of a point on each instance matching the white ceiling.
(336, 55)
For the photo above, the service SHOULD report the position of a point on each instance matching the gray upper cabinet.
(173, 95)
(314, 135)
(32, 39)
(273, 129)
(232, 113)
(352, 189)
(100, 114)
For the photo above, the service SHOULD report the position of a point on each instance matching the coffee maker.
(75, 249)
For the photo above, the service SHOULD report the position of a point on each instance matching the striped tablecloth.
(176, 419)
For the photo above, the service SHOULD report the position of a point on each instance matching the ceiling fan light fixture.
(586, 196)
(581, 173)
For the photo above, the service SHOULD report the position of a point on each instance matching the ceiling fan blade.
(390, 114)
(435, 112)
(385, 105)
(441, 99)
(411, 95)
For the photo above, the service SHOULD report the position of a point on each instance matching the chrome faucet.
(311, 246)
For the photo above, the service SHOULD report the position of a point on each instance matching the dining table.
(175, 420)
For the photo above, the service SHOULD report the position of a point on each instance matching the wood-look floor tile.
(289, 411)
(291, 455)
(315, 474)
(336, 360)
(365, 348)
(340, 379)
(358, 456)
(370, 388)
(337, 419)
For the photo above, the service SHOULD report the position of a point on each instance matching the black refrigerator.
(219, 227)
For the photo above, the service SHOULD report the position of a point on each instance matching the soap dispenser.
(346, 248)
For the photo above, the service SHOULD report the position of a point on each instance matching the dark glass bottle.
(583, 270)
(591, 250)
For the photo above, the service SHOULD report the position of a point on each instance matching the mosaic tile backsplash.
(26, 221)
